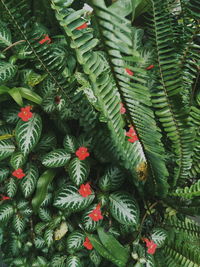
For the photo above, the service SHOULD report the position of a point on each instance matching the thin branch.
(12, 45)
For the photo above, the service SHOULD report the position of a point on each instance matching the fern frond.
(167, 96)
(103, 86)
(188, 192)
(133, 91)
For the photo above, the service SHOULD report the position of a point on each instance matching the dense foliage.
(99, 133)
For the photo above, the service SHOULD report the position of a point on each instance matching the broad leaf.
(124, 208)
(75, 241)
(113, 246)
(30, 95)
(6, 149)
(17, 160)
(28, 133)
(28, 183)
(56, 158)
(42, 187)
(69, 198)
(78, 171)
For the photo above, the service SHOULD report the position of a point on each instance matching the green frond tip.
(188, 192)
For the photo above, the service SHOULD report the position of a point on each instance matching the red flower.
(122, 108)
(83, 26)
(129, 72)
(87, 244)
(82, 153)
(150, 67)
(4, 197)
(45, 39)
(96, 215)
(150, 245)
(132, 134)
(85, 190)
(25, 113)
(18, 173)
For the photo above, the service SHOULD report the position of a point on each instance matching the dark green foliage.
(91, 76)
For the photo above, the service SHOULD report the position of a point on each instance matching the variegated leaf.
(6, 149)
(124, 208)
(70, 143)
(6, 212)
(17, 160)
(56, 158)
(75, 241)
(18, 223)
(28, 133)
(78, 171)
(11, 187)
(88, 224)
(69, 198)
(73, 261)
(159, 236)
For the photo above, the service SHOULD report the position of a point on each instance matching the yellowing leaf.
(61, 231)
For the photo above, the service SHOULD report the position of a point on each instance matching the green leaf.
(112, 179)
(102, 250)
(5, 35)
(11, 187)
(73, 261)
(95, 257)
(56, 158)
(28, 133)
(124, 208)
(70, 143)
(88, 224)
(75, 241)
(44, 214)
(58, 261)
(6, 212)
(78, 171)
(48, 237)
(3, 174)
(28, 183)
(42, 186)
(6, 149)
(7, 71)
(69, 198)
(113, 246)
(17, 160)
(47, 142)
(15, 94)
(39, 242)
(18, 223)
(30, 95)
(159, 236)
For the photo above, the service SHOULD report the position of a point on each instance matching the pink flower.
(82, 153)
(45, 39)
(18, 173)
(150, 67)
(87, 244)
(25, 113)
(4, 197)
(83, 26)
(131, 73)
(85, 190)
(132, 134)
(122, 108)
(96, 215)
(150, 245)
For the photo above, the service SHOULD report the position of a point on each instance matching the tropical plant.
(100, 133)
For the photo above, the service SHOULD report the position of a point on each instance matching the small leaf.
(17, 160)
(70, 143)
(75, 241)
(18, 223)
(61, 231)
(73, 261)
(42, 186)
(30, 95)
(124, 208)
(56, 158)
(88, 224)
(28, 133)
(11, 187)
(70, 199)
(5, 35)
(95, 257)
(48, 237)
(28, 183)
(78, 171)
(7, 71)
(6, 212)
(6, 149)
(3, 174)
(159, 236)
